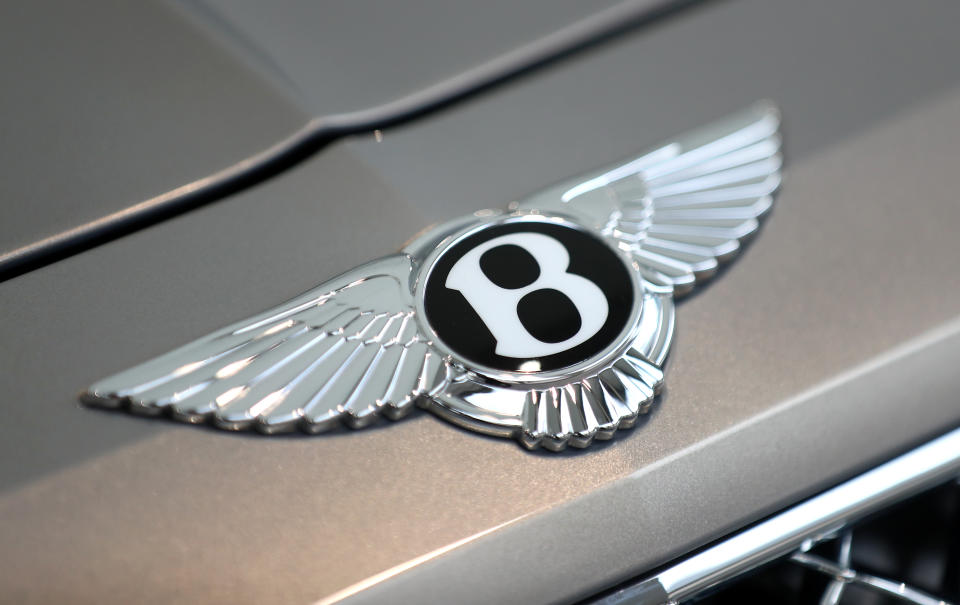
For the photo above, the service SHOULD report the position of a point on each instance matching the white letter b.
(498, 307)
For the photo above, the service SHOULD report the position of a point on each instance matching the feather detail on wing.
(343, 352)
(684, 207)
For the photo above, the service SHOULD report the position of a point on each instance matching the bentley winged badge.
(548, 321)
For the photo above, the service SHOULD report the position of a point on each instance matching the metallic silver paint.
(286, 152)
(111, 104)
(391, 49)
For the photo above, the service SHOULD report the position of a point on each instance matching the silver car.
(171, 168)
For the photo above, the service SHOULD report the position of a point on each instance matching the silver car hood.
(828, 348)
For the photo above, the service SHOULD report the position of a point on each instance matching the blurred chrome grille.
(870, 540)
(909, 553)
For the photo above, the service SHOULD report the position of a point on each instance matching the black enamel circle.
(521, 300)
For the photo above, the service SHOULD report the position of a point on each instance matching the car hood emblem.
(548, 321)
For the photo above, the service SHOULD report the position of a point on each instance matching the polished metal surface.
(361, 344)
(805, 524)
(842, 574)
(344, 352)
(833, 592)
(684, 207)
